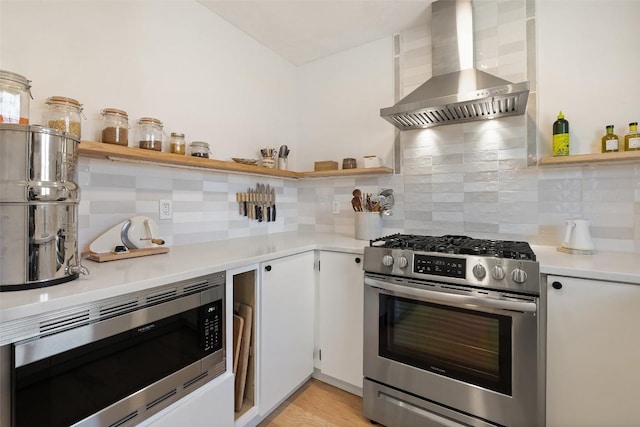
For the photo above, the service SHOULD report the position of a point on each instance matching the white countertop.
(110, 279)
(609, 266)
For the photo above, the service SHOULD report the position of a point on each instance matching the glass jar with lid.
(115, 126)
(15, 92)
(177, 143)
(63, 114)
(150, 133)
(200, 149)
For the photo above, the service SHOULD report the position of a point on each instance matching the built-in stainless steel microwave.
(125, 360)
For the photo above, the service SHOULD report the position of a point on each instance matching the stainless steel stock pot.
(39, 200)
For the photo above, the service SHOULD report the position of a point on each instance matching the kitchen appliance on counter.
(577, 237)
(39, 200)
(116, 362)
(452, 332)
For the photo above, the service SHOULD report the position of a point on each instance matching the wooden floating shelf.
(624, 156)
(120, 152)
(347, 172)
(132, 154)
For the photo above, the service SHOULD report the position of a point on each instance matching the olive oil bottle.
(561, 136)
(632, 139)
(610, 142)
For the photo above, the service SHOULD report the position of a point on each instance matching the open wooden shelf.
(120, 152)
(347, 172)
(624, 156)
(132, 154)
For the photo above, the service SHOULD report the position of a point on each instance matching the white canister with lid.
(64, 114)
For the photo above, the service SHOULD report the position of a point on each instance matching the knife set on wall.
(258, 204)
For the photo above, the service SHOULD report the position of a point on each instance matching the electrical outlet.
(336, 207)
(166, 210)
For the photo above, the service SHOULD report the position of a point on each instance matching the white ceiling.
(305, 30)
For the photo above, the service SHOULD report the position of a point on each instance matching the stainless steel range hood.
(458, 92)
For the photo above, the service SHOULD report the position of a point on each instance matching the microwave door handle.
(486, 302)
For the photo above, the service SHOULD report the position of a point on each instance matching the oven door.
(472, 351)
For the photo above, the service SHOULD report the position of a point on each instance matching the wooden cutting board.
(133, 253)
(238, 324)
(246, 312)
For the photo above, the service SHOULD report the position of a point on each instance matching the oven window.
(466, 345)
(70, 386)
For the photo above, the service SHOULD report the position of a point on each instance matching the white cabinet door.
(341, 302)
(593, 351)
(209, 406)
(286, 327)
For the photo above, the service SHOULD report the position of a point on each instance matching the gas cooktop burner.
(452, 244)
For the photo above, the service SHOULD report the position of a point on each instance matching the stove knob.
(519, 275)
(497, 272)
(479, 271)
(387, 260)
(402, 262)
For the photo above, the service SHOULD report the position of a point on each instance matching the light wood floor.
(318, 404)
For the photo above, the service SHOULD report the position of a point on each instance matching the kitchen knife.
(273, 206)
(259, 202)
(268, 202)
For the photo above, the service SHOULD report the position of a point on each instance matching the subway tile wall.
(204, 202)
(481, 178)
(477, 178)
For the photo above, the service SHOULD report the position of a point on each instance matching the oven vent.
(196, 287)
(123, 420)
(61, 323)
(164, 295)
(196, 379)
(161, 399)
(119, 307)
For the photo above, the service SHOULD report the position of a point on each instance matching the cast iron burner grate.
(452, 244)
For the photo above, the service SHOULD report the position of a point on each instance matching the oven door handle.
(456, 299)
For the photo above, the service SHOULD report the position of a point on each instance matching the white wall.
(173, 60)
(588, 68)
(339, 101)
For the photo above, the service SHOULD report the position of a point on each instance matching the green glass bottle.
(610, 142)
(561, 136)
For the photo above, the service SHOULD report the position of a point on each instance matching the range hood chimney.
(457, 92)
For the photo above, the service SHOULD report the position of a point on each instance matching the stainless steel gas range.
(452, 332)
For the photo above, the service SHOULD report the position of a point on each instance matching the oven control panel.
(440, 266)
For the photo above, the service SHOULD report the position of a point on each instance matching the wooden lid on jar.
(63, 100)
(149, 121)
(114, 112)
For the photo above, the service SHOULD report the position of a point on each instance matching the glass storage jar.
(150, 133)
(178, 145)
(63, 114)
(15, 92)
(200, 149)
(115, 126)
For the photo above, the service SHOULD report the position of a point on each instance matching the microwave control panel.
(211, 326)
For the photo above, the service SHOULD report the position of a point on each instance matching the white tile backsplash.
(469, 178)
